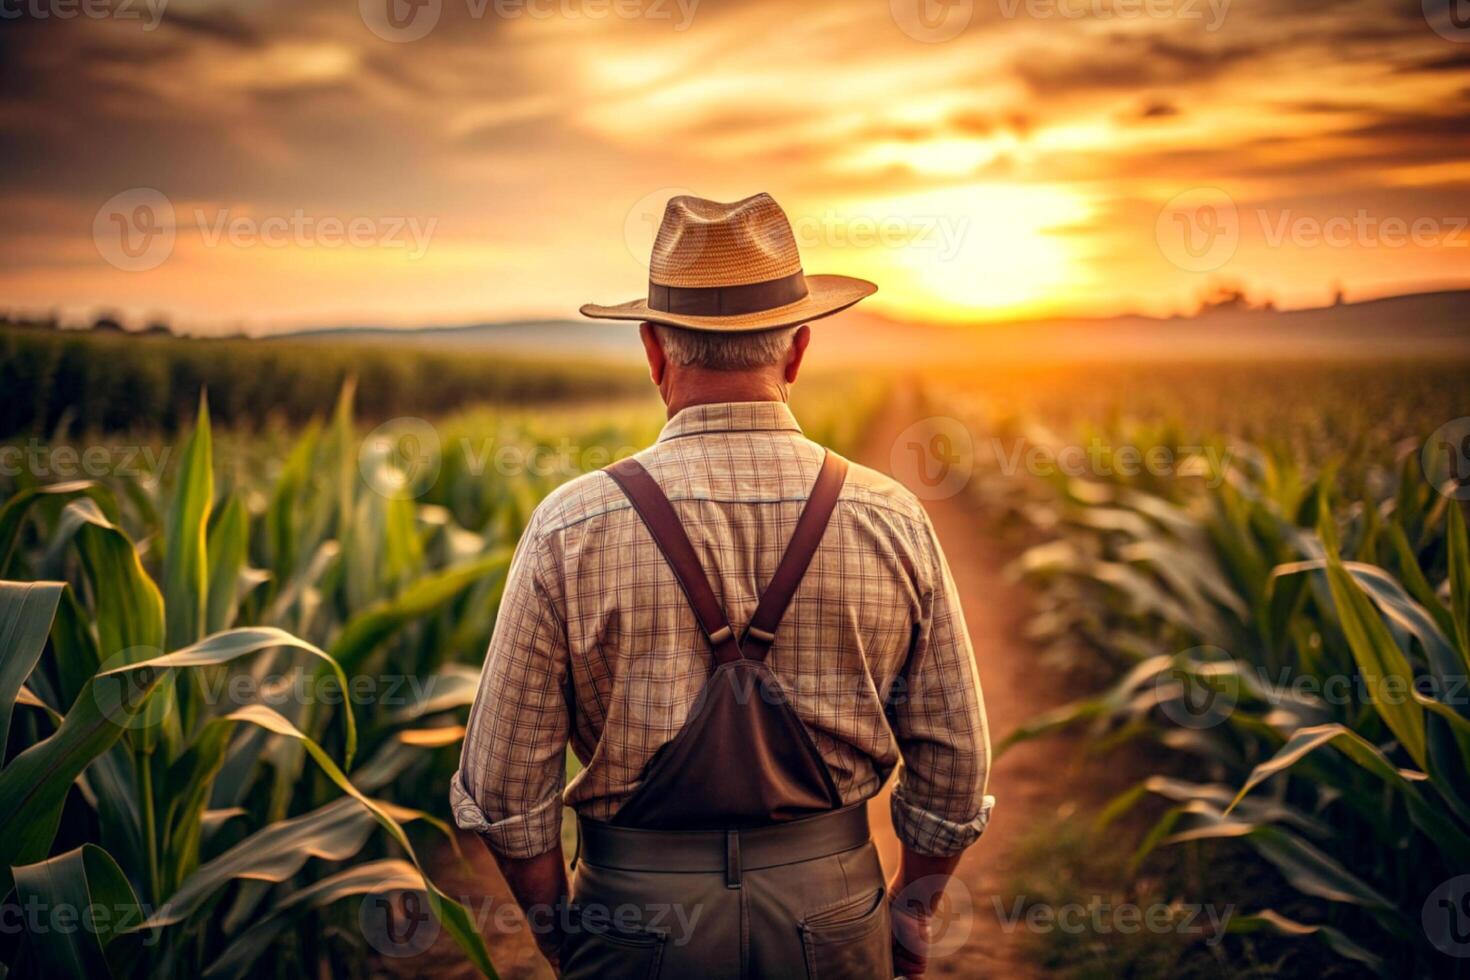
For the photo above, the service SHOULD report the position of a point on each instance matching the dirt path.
(1030, 782)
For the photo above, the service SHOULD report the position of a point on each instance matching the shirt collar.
(730, 417)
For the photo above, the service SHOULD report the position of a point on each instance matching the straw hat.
(732, 267)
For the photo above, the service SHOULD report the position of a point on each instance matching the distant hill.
(1430, 324)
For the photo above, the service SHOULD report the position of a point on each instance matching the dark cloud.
(1124, 62)
(214, 26)
(1459, 61)
(1158, 110)
(1323, 107)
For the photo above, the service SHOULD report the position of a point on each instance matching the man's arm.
(541, 890)
(513, 765)
(939, 805)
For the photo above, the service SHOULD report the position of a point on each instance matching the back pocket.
(849, 941)
(602, 950)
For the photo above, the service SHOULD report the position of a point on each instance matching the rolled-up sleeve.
(939, 804)
(512, 768)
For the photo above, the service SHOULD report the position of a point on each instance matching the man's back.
(873, 637)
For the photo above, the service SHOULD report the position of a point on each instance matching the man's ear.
(799, 340)
(654, 351)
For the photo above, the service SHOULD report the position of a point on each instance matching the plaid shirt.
(596, 643)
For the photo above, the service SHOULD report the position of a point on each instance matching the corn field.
(1285, 621)
(234, 687)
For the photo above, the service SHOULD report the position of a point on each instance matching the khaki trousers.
(798, 900)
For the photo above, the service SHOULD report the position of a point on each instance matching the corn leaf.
(26, 612)
(1336, 940)
(186, 565)
(88, 882)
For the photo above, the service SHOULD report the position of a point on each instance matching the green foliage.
(1289, 622)
(54, 380)
(225, 677)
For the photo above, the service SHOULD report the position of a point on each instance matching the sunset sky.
(982, 160)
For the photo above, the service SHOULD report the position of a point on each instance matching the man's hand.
(914, 893)
(910, 940)
(540, 887)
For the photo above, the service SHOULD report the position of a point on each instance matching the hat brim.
(825, 296)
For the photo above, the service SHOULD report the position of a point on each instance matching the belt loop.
(732, 859)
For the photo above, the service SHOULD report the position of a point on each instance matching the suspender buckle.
(721, 635)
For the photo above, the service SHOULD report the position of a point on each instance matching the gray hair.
(718, 351)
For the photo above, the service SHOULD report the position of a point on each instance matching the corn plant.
(199, 830)
(1295, 637)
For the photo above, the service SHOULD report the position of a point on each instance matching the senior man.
(741, 635)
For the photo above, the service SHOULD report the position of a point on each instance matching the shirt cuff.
(927, 833)
(524, 835)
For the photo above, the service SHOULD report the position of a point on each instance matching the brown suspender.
(668, 533)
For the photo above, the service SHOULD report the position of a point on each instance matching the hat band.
(755, 297)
